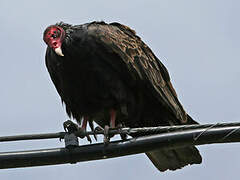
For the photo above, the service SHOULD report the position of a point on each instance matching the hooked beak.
(58, 51)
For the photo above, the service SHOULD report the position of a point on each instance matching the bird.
(105, 73)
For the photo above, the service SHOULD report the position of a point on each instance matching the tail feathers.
(172, 159)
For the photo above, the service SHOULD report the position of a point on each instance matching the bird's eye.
(54, 35)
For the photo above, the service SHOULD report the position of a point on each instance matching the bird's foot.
(71, 140)
(69, 127)
(83, 134)
(107, 135)
(119, 127)
(72, 127)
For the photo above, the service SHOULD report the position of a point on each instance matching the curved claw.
(89, 139)
(95, 137)
(70, 127)
(60, 139)
(123, 136)
(83, 131)
(98, 128)
(92, 129)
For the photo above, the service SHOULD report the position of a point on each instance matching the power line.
(129, 131)
(185, 136)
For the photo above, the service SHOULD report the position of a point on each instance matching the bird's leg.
(113, 114)
(113, 123)
(84, 123)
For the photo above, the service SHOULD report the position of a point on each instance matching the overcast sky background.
(198, 41)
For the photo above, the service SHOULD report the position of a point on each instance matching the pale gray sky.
(197, 40)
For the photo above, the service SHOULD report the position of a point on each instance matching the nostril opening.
(55, 43)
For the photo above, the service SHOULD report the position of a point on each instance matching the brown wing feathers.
(139, 58)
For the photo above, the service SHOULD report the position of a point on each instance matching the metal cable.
(129, 131)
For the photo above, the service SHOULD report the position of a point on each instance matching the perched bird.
(107, 74)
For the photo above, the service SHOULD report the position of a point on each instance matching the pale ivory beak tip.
(59, 51)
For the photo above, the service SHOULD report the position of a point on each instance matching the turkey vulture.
(107, 74)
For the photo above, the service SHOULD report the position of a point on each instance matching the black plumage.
(107, 66)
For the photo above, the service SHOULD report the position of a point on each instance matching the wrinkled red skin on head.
(53, 36)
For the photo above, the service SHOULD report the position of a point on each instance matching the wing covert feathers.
(142, 64)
